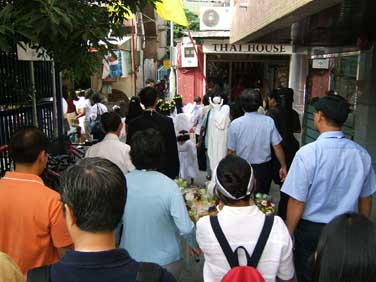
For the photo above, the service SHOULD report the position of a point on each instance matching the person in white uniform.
(111, 148)
(242, 222)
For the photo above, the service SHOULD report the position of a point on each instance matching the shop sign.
(251, 48)
(320, 64)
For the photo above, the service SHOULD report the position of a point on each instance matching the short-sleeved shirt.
(276, 259)
(154, 214)
(329, 175)
(112, 265)
(251, 136)
(97, 109)
(32, 224)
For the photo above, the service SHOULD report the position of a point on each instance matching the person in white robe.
(218, 123)
(187, 157)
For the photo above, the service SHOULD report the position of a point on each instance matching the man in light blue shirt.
(327, 178)
(252, 136)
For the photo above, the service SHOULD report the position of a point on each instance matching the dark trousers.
(307, 235)
(263, 174)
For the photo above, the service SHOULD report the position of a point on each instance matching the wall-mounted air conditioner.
(215, 18)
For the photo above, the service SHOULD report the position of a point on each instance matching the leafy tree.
(66, 29)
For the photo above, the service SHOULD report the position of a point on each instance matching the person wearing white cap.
(241, 222)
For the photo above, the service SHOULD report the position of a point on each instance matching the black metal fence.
(16, 99)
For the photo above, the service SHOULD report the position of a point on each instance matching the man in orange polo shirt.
(32, 225)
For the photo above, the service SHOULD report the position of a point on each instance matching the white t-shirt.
(84, 104)
(98, 108)
(242, 227)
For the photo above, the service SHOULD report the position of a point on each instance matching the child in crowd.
(187, 156)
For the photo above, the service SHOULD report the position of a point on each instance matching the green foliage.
(66, 29)
(179, 31)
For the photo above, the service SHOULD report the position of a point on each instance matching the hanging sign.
(250, 48)
(26, 53)
(320, 64)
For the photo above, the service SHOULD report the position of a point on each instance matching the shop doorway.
(234, 74)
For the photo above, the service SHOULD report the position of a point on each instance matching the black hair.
(250, 100)
(135, 108)
(95, 190)
(197, 99)
(183, 136)
(26, 144)
(96, 98)
(148, 96)
(178, 104)
(274, 94)
(233, 173)
(110, 121)
(149, 80)
(236, 110)
(81, 93)
(346, 250)
(147, 149)
(89, 93)
(73, 95)
(334, 108)
(286, 95)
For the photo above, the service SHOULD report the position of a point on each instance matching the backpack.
(95, 126)
(247, 273)
(147, 272)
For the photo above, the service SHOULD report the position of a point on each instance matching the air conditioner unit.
(188, 56)
(215, 18)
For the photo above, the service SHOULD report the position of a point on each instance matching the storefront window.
(343, 77)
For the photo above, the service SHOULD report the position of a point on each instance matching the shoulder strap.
(99, 111)
(40, 274)
(264, 236)
(149, 272)
(232, 259)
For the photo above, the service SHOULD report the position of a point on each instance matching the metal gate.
(16, 93)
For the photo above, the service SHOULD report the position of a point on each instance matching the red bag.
(247, 273)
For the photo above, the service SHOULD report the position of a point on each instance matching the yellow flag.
(172, 10)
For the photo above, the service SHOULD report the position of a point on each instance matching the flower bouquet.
(264, 203)
(197, 200)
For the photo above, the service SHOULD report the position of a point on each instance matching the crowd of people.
(120, 216)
